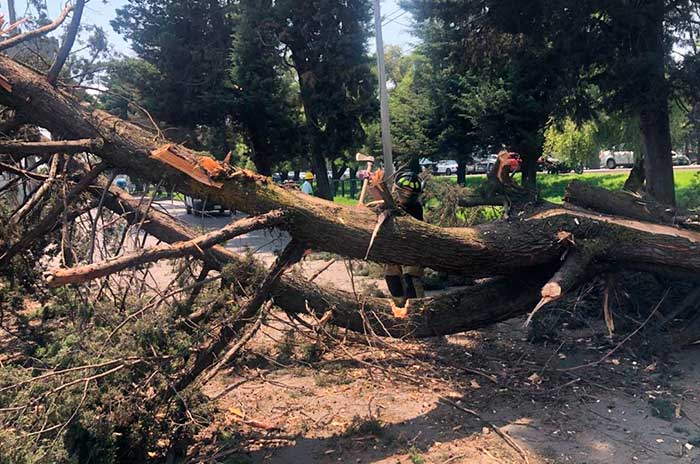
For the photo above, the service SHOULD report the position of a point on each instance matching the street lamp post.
(383, 99)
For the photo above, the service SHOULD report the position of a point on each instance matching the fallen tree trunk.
(504, 248)
(468, 309)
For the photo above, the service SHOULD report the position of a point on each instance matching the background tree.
(513, 58)
(188, 43)
(327, 45)
(265, 108)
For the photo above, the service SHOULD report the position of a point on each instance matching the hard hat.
(408, 184)
(309, 175)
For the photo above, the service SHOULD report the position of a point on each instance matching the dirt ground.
(490, 396)
(308, 394)
(391, 402)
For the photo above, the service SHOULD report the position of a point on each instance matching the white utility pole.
(383, 100)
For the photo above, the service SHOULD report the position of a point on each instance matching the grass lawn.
(552, 185)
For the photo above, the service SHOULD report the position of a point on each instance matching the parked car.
(446, 167)
(556, 166)
(201, 207)
(680, 160)
(611, 159)
(427, 165)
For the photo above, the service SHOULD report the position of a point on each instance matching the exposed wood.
(43, 30)
(574, 269)
(67, 44)
(77, 275)
(49, 147)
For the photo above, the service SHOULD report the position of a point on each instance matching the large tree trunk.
(528, 169)
(528, 245)
(461, 172)
(323, 186)
(653, 114)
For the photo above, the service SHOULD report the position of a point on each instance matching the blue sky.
(99, 12)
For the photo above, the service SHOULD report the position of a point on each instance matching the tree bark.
(67, 44)
(620, 203)
(21, 147)
(461, 172)
(528, 169)
(653, 114)
(323, 186)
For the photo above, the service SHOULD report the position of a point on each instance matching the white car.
(446, 167)
(612, 159)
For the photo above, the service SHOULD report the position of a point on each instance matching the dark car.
(201, 207)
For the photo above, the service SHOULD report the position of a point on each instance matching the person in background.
(306, 187)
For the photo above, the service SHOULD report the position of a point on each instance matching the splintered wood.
(179, 158)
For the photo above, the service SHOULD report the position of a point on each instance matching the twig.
(619, 345)
(228, 356)
(513, 444)
(322, 270)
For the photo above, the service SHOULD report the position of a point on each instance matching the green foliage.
(663, 408)
(414, 112)
(265, 106)
(572, 143)
(188, 43)
(689, 194)
(363, 426)
(415, 456)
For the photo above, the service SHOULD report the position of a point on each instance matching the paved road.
(263, 242)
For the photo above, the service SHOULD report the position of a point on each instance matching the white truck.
(611, 159)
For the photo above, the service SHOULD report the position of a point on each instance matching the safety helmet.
(309, 175)
(408, 184)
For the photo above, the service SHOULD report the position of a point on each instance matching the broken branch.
(82, 274)
(67, 44)
(20, 147)
(17, 39)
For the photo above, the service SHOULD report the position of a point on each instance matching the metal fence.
(349, 188)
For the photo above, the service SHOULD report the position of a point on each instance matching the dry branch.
(41, 192)
(208, 355)
(53, 216)
(574, 270)
(50, 147)
(17, 39)
(67, 44)
(82, 274)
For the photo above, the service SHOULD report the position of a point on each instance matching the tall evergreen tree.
(326, 41)
(265, 108)
(188, 42)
